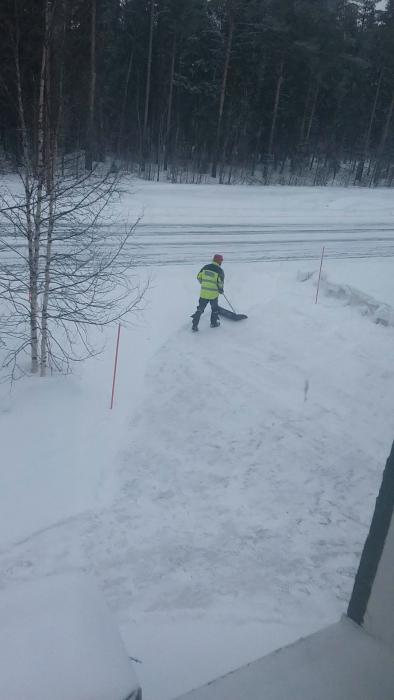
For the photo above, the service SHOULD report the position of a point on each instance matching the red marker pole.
(318, 282)
(115, 367)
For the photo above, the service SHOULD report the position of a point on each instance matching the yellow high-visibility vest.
(211, 281)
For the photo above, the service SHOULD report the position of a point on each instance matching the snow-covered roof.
(341, 662)
(59, 642)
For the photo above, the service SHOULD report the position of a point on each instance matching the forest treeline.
(271, 91)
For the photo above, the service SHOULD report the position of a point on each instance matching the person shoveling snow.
(211, 279)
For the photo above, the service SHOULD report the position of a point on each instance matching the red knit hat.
(218, 258)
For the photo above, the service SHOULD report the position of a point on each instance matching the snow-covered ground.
(222, 505)
(58, 640)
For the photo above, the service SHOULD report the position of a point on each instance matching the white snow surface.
(223, 504)
(57, 640)
(165, 203)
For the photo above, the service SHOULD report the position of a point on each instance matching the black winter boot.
(215, 318)
(196, 318)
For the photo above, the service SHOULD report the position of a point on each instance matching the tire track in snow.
(169, 244)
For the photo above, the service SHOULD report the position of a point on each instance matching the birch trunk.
(51, 138)
(40, 176)
(47, 281)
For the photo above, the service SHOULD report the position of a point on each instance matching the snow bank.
(58, 642)
(379, 312)
(57, 439)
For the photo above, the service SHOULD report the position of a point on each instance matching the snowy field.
(223, 504)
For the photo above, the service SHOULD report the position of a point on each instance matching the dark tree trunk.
(148, 80)
(373, 114)
(169, 106)
(367, 142)
(92, 90)
(256, 149)
(223, 91)
(313, 110)
(387, 124)
(305, 113)
(276, 108)
(124, 104)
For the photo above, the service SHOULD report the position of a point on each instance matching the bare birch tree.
(83, 277)
(65, 266)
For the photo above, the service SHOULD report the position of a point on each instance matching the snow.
(165, 203)
(378, 311)
(339, 662)
(222, 505)
(372, 278)
(183, 223)
(57, 640)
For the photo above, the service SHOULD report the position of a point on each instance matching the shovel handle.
(230, 305)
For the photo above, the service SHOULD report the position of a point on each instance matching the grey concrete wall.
(379, 617)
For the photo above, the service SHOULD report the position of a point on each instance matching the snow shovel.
(226, 313)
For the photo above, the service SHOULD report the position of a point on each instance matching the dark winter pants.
(202, 304)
